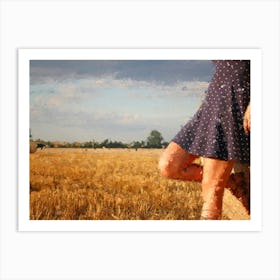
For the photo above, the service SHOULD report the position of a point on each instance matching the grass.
(79, 184)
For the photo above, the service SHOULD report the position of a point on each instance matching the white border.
(24, 57)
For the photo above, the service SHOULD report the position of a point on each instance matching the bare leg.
(176, 163)
(215, 177)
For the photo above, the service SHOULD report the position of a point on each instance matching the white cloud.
(63, 107)
(77, 91)
(187, 89)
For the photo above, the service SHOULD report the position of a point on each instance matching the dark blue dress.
(216, 130)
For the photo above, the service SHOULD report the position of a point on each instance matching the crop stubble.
(79, 184)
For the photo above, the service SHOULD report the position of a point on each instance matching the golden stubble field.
(109, 184)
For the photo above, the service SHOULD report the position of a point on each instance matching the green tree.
(137, 145)
(155, 139)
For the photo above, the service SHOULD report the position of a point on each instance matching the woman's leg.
(215, 177)
(176, 163)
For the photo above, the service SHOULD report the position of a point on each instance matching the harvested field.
(112, 184)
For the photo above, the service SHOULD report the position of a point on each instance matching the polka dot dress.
(216, 130)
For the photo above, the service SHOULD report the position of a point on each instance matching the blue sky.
(78, 100)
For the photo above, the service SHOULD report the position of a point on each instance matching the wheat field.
(107, 184)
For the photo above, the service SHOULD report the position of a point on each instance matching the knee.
(166, 169)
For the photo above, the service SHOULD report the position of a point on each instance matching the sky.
(120, 100)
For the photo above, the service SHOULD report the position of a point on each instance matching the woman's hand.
(247, 119)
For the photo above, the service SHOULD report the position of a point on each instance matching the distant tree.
(94, 144)
(136, 144)
(116, 144)
(87, 144)
(65, 145)
(154, 140)
(50, 144)
(76, 144)
(104, 143)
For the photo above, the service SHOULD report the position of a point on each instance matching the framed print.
(92, 94)
(94, 124)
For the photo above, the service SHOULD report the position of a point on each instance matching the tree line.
(154, 140)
